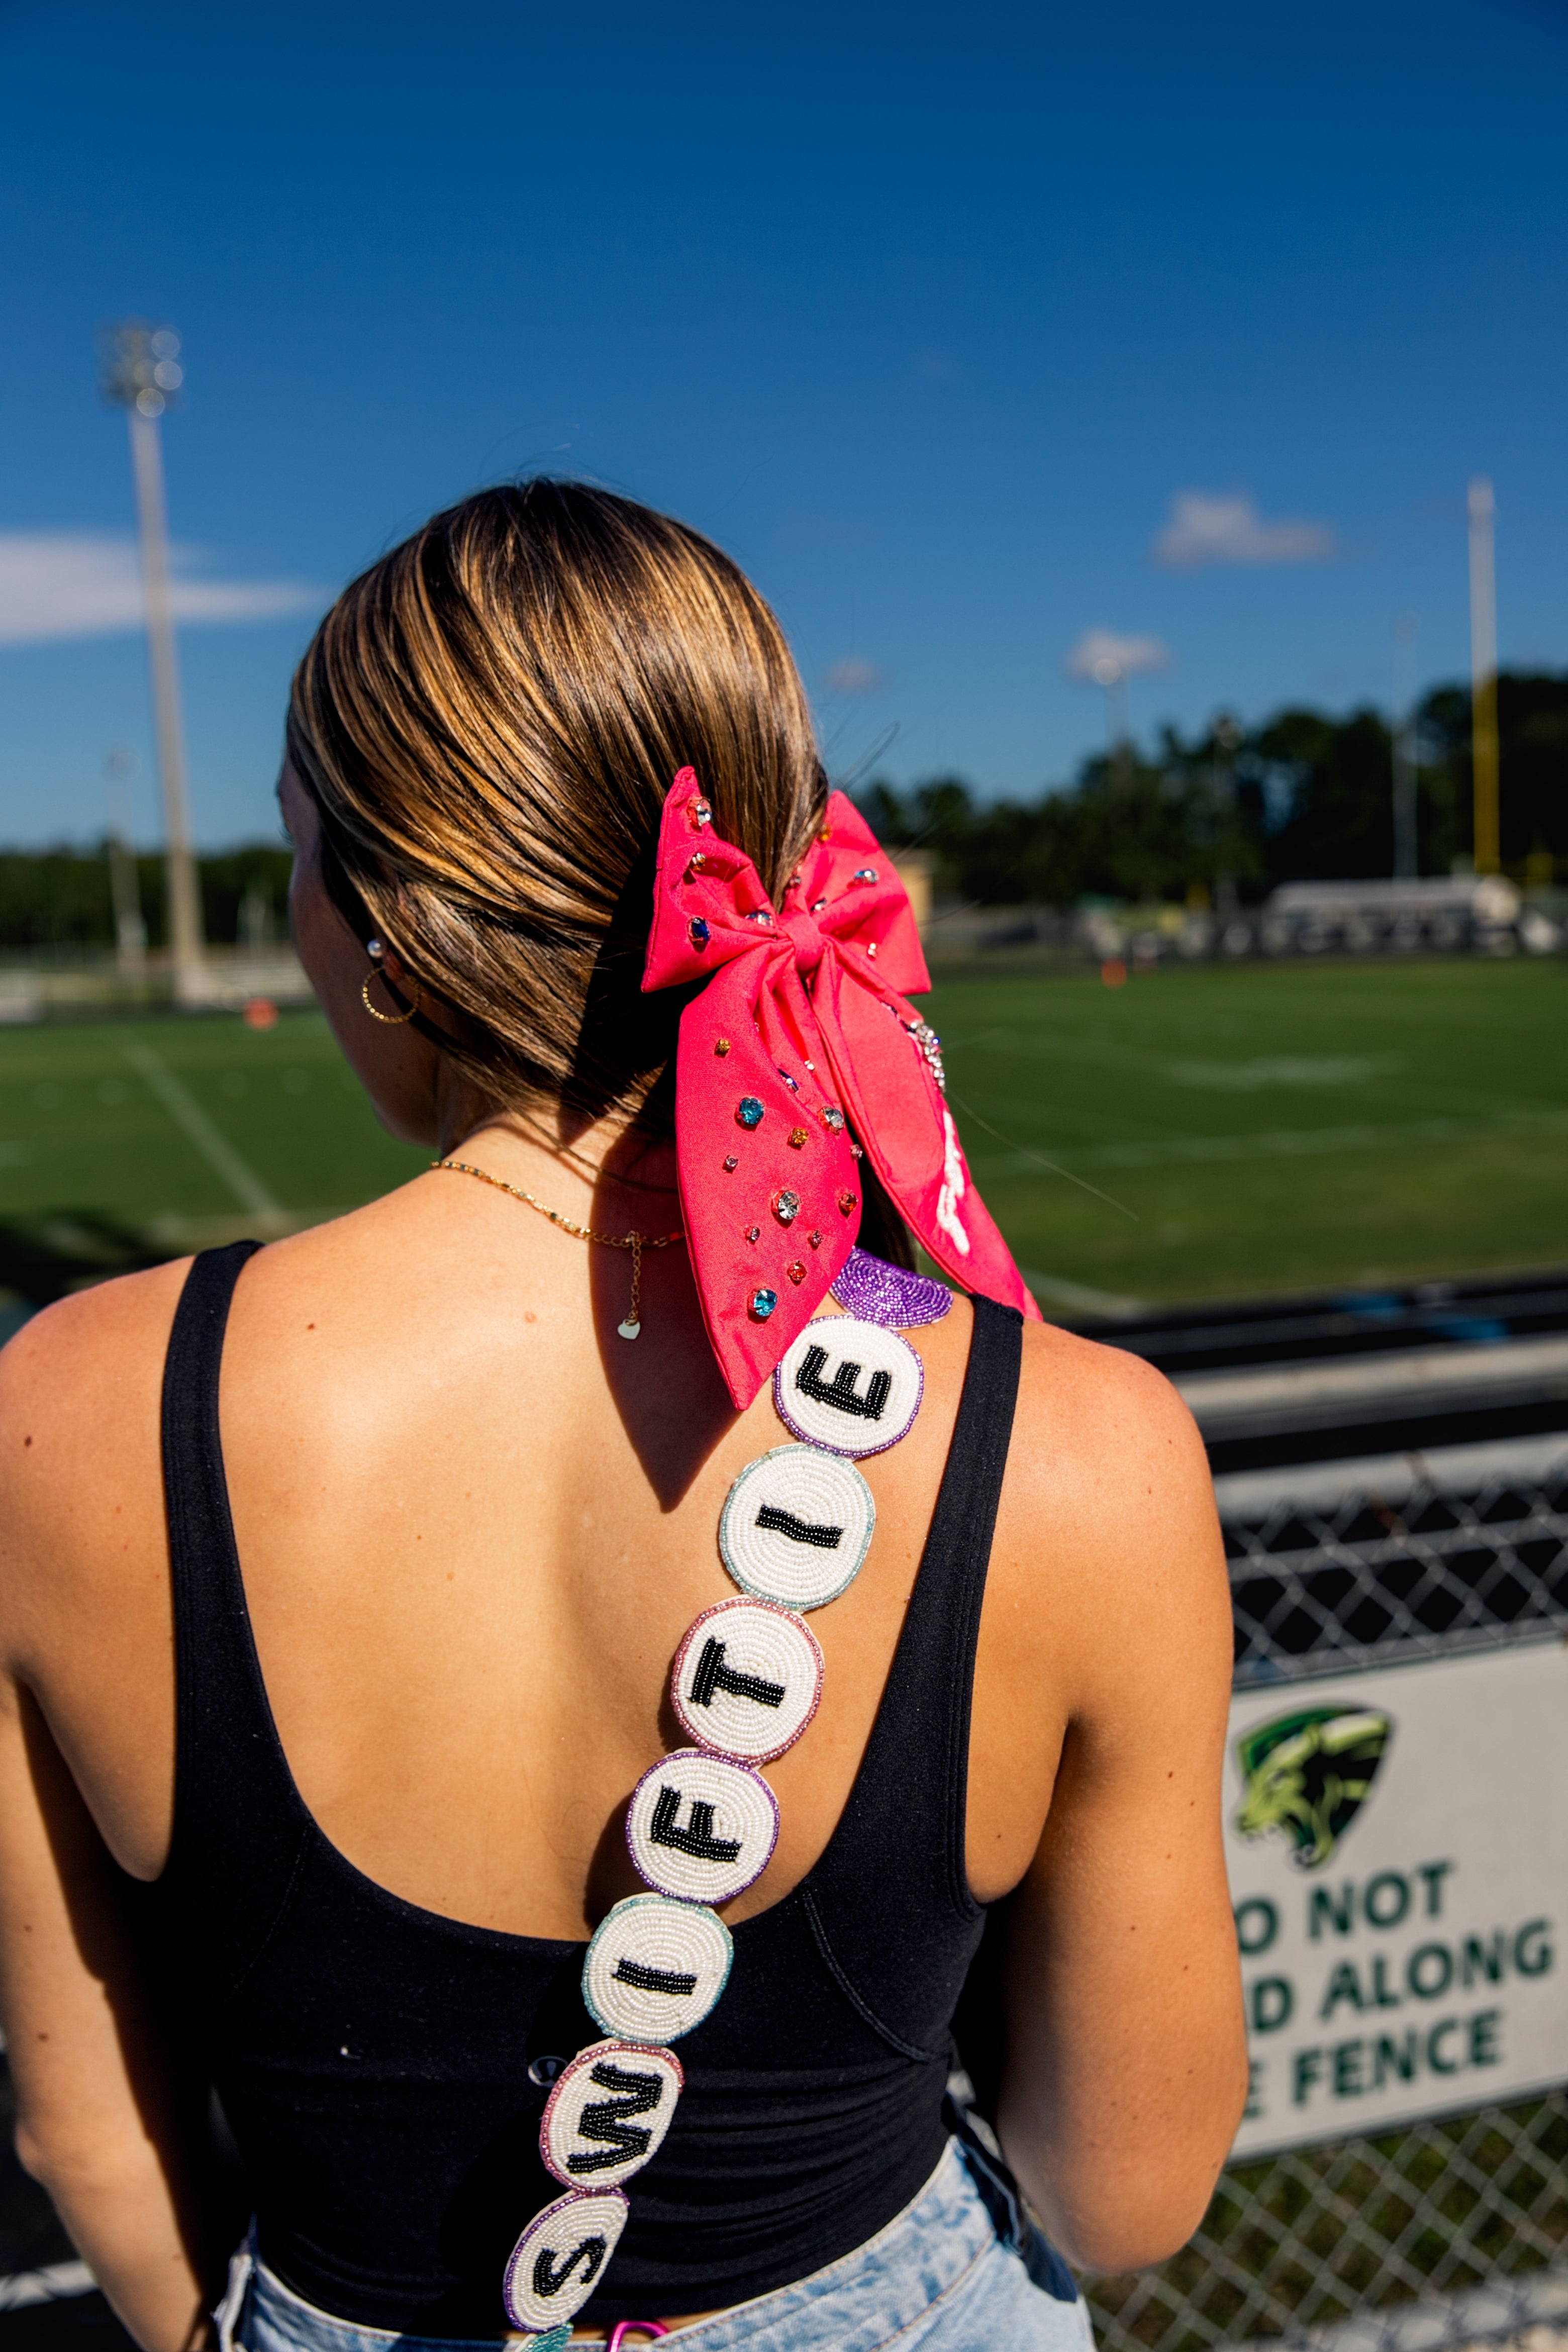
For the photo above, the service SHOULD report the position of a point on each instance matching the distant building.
(1447, 911)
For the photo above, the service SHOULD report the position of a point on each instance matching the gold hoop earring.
(389, 1019)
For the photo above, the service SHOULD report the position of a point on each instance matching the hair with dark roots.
(488, 720)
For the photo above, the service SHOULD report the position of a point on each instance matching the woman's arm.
(113, 2113)
(1126, 2067)
(109, 2119)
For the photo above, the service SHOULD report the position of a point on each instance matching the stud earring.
(375, 950)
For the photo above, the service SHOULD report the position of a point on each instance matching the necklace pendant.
(628, 1331)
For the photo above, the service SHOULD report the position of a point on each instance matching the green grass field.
(188, 1128)
(1201, 1132)
(1273, 1127)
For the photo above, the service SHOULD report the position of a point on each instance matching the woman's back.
(468, 1561)
(466, 1527)
(472, 1541)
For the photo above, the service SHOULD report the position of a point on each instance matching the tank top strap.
(236, 1806)
(902, 1829)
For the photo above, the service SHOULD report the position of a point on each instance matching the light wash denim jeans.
(937, 2279)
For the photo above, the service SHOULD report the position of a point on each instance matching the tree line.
(1304, 797)
(60, 901)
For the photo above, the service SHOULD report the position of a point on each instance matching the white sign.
(1397, 1841)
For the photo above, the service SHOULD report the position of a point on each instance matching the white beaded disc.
(608, 2112)
(560, 2256)
(656, 1967)
(795, 1526)
(747, 1679)
(701, 1827)
(852, 1386)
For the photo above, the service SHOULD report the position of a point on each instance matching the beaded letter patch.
(852, 1386)
(747, 1679)
(702, 1824)
(796, 1525)
(656, 1967)
(701, 1828)
(608, 2112)
(556, 2262)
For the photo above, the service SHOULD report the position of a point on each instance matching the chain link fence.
(1374, 1580)
(1442, 2232)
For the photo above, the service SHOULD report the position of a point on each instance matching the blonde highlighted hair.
(488, 720)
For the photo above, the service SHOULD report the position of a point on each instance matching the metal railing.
(1447, 2231)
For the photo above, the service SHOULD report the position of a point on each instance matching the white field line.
(183, 1108)
(1412, 1091)
(1283, 1143)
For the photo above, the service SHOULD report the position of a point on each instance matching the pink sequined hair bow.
(800, 1037)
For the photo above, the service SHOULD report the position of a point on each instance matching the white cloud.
(1104, 657)
(1222, 527)
(855, 674)
(55, 585)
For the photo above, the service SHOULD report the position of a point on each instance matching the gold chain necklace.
(635, 1241)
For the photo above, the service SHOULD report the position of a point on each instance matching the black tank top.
(373, 2058)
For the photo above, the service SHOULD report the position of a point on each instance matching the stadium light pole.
(129, 931)
(1111, 674)
(1483, 679)
(1228, 738)
(141, 372)
(1406, 862)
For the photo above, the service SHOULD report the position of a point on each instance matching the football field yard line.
(1283, 1143)
(183, 1108)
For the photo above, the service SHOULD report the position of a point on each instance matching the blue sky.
(930, 315)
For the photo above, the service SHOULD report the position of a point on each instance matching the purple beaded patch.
(878, 1293)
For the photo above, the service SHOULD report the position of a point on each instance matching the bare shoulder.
(1096, 1422)
(79, 1388)
(88, 1343)
(1107, 1541)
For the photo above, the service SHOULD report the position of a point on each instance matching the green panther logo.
(1307, 1775)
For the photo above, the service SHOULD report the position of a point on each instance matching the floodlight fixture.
(1108, 659)
(140, 366)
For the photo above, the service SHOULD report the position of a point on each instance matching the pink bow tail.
(799, 1047)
